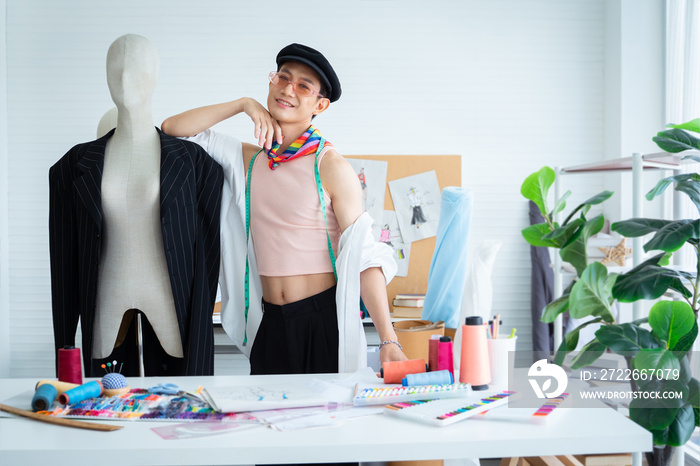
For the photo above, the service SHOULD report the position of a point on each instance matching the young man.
(294, 239)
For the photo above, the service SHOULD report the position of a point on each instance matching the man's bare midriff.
(285, 290)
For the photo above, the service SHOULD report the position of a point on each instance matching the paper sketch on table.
(417, 204)
(387, 231)
(371, 175)
(256, 398)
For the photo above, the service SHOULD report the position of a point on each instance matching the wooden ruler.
(58, 420)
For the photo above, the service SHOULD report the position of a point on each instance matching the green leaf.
(694, 393)
(563, 235)
(671, 320)
(651, 418)
(666, 182)
(586, 205)
(534, 234)
(674, 235)
(556, 307)
(652, 359)
(570, 341)
(692, 125)
(692, 157)
(536, 187)
(676, 140)
(589, 353)
(691, 188)
(680, 430)
(592, 294)
(648, 281)
(685, 343)
(626, 339)
(636, 227)
(575, 252)
(560, 204)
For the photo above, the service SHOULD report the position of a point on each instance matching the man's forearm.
(195, 121)
(373, 292)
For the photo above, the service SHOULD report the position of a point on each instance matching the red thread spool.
(395, 371)
(445, 357)
(70, 368)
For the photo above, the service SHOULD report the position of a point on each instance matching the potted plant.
(658, 344)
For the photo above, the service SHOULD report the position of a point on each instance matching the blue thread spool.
(44, 396)
(83, 392)
(428, 378)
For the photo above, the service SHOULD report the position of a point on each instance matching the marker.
(512, 333)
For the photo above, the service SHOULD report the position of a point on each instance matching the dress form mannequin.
(133, 271)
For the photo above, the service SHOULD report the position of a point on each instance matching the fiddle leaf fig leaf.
(676, 140)
(626, 339)
(589, 353)
(592, 294)
(692, 125)
(536, 188)
(560, 204)
(672, 236)
(636, 227)
(671, 320)
(575, 252)
(534, 234)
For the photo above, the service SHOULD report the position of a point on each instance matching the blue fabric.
(448, 268)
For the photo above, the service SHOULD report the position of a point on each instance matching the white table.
(370, 438)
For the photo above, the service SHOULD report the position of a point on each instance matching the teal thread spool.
(44, 396)
(83, 392)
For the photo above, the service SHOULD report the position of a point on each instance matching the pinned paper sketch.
(387, 231)
(417, 203)
(371, 174)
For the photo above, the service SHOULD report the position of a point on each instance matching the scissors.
(172, 389)
(165, 389)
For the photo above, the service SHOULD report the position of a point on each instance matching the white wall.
(511, 85)
(4, 240)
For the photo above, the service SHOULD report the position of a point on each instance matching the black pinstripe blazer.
(190, 200)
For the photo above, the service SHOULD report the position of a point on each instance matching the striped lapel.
(89, 184)
(173, 170)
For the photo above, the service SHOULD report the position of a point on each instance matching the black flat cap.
(316, 60)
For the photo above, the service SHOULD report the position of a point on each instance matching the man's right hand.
(267, 130)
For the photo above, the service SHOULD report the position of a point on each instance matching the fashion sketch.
(417, 203)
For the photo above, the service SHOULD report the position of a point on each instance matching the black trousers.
(155, 360)
(297, 338)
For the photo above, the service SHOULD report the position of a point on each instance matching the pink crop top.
(286, 222)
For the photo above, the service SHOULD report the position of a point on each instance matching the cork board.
(448, 169)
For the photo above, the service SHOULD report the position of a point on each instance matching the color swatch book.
(140, 404)
(446, 411)
(394, 394)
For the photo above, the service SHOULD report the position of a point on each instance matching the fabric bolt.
(541, 290)
(297, 338)
(306, 144)
(191, 184)
(448, 267)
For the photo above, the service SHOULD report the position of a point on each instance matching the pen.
(512, 333)
(495, 325)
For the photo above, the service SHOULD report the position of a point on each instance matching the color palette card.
(443, 412)
(393, 394)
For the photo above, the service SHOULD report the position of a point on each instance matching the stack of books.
(408, 305)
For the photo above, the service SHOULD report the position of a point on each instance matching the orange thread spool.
(395, 371)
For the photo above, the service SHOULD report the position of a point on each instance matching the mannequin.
(133, 272)
(134, 229)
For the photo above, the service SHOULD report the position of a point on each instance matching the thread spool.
(433, 352)
(395, 371)
(69, 365)
(445, 358)
(61, 387)
(428, 378)
(76, 395)
(474, 361)
(44, 396)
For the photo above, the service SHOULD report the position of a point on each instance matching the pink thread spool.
(70, 368)
(445, 358)
(474, 362)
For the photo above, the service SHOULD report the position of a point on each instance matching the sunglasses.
(300, 88)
